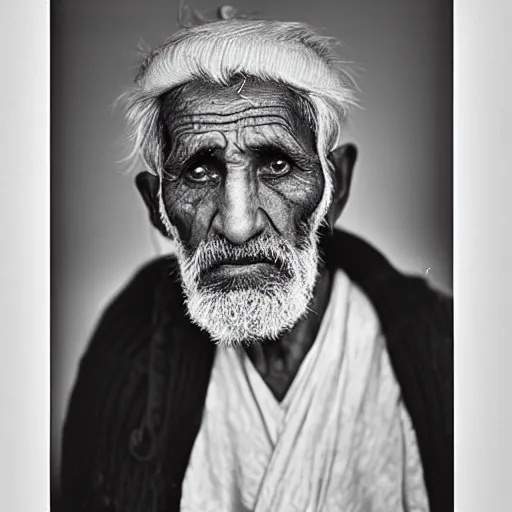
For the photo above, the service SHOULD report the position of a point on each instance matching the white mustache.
(213, 253)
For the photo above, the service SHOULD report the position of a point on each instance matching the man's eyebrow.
(178, 160)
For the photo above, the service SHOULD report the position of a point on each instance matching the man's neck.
(279, 361)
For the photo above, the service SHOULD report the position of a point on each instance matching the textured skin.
(238, 196)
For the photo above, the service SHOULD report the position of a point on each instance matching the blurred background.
(401, 198)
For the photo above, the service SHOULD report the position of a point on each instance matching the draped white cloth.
(341, 440)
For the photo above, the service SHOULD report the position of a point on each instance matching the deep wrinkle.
(187, 141)
(211, 127)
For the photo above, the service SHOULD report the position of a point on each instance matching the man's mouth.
(232, 269)
(246, 261)
(241, 271)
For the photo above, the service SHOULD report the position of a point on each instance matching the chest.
(340, 439)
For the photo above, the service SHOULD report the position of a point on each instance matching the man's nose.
(239, 217)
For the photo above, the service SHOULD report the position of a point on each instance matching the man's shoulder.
(119, 347)
(134, 303)
(157, 272)
(109, 395)
(404, 303)
(370, 269)
(124, 325)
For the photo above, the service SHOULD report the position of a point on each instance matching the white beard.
(260, 310)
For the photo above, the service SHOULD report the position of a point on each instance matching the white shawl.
(341, 440)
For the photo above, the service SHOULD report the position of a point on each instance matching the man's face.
(241, 183)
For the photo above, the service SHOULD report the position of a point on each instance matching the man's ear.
(343, 159)
(148, 185)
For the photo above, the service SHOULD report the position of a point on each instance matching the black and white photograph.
(252, 256)
(255, 256)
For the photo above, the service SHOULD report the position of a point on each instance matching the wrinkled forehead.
(246, 102)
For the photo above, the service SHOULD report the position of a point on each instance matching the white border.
(483, 255)
(25, 257)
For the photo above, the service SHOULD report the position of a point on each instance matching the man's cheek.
(200, 221)
(290, 206)
(183, 223)
(180, 213)
(192, 223)
(307, 199)
(278, 210)
(306, 191)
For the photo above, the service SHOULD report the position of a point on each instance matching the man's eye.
(277, 167)
(201, 174)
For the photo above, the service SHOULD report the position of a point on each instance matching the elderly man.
(275, 364)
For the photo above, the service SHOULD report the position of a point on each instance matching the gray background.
(402, 191)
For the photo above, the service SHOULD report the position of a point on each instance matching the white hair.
(292, 54)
